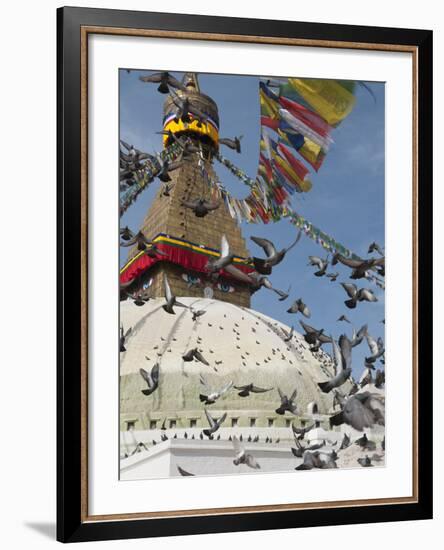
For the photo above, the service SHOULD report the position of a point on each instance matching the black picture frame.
(73, 524)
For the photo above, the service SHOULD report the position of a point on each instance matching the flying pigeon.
(196, 313)
(314, 337)
(232, 143)
(332, 276)
(287, 404)
(318, 459)
(288, 335)
(152, 379)
(242, 457)
(165, 80)
(167, 166)
(244, 391)
(200, 207)
(361, 295)
(343, 318)
(170, 298)
(374, 247)
(299, 433)
(360, 268)
(225, 258)
(376, 348)
(299, 306)
(263, 281)
(123, 336)
(274, 256)
(139, 239)
(214, 424)
(185, 108)
(194, 353)
(126, 234)
(212, 396)
(342, 360)
(361, 410)
(357, 337)
(320, 263)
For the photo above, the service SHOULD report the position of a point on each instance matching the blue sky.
(346, 201)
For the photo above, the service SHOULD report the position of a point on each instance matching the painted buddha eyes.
(225, 287)
(191, 279)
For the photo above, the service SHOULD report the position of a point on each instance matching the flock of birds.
(357, 408)
(132, 160)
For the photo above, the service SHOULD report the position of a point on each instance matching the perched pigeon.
(365, 462)
(346, 442)
(183, 472)
(365, 443)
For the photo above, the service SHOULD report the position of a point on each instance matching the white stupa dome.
(241, 345)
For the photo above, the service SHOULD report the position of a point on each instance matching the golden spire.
(190, 80)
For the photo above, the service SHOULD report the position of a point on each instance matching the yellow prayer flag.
(268, 107)
(305, 185)
(328, 98)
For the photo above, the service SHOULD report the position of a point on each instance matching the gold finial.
(190, 80)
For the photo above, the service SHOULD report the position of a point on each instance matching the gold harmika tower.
(188, 241)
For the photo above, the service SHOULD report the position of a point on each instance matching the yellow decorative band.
(206, 129)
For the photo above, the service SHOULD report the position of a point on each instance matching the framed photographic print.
(245, 214)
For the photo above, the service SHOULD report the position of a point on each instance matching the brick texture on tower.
(166, 215)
